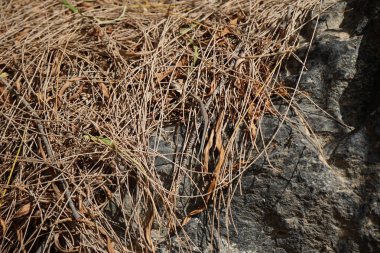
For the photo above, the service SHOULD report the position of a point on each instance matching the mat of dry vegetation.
(86, 84)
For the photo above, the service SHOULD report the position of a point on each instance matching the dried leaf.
(161, 76)
(62, 249)
(77, 93)
(104, 89)
(282, 91)
(18, 84)
(148, 229)
(253, 129)
(212, 87)
(3, 226)
(85, 5)
(110, 247)
(196, 54)
(108, 191)
(4, 95)
(192, 213)
(219, 146)
(57, 191)
(213, 183)
(197, 211)
(225, 31)
(21, 188)
(134, 55)
(230, 28)
(234, 22)
(64, 88)
(182, 62)
(215, 178)
(206, 153)
(40, 96)
(186, 220)
(62, 221)
(219, 125)
(20, 238)
(67, 84)
(24, 210)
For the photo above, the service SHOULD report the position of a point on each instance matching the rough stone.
(318, 190)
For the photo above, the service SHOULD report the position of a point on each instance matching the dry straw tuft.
(86, 85)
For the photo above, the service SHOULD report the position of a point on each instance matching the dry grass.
(101, 83)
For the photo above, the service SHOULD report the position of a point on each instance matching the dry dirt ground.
(85, 84)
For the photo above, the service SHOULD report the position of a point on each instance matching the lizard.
(203, 106)
(203, 110)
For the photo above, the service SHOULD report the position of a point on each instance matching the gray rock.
(318, 189)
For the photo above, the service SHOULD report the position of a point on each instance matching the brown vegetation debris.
(101, 78)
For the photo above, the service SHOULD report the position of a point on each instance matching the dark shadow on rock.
(362, 95)
(360, 107)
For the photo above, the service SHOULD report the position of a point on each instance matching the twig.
(106, 22)
(48, 147)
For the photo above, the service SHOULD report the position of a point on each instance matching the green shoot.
(69, 6)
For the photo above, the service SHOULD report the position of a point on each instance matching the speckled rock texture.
(318, 187)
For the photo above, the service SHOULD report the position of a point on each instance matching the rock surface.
(318, 189)
(321, 190)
